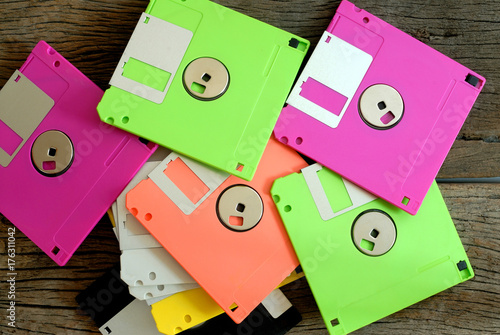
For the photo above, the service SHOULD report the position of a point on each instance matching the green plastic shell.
(231, 132)
(351, 288)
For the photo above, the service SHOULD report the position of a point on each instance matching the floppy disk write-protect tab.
(61, 168)
(204, 81)
(378, 107)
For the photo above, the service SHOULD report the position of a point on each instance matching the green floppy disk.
(363, 257)
(204, 81)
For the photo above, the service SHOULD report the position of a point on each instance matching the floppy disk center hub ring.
(206, 79)
(381, 106)
(374, 232)
(52, 153)
(240, 208)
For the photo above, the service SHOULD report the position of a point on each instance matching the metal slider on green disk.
(157, 48)
(357, 195)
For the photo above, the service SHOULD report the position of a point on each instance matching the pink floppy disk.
(61, 168)
(378, 107)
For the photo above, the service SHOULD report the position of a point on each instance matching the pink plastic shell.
(397, 164)
(57, 213)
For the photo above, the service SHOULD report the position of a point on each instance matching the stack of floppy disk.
(212, 226)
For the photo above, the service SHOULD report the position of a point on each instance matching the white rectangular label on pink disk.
(330, 79)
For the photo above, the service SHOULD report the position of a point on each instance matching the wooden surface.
(93, 34)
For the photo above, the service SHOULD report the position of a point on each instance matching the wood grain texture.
(92, 34)
(45, 292)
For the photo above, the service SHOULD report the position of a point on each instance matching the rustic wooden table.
(93, 34)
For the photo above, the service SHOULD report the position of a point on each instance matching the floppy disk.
(152, 267)
(113, 309)
(155, 293)
(274, 316)
(194, 210)
(378, 107)
(204, 81)
(148, 269)
(132, 234)
(111, 218)
(61, 167)
(363, 257)
(188, 309)
(151, 293)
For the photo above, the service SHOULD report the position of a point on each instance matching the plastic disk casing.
(378, 107)
(132, 269)
(204, 81)
(187, 309)
(114, 310)
(198, 213)
(275, 316)
(148, 269)
(61, 168)
(363, 257)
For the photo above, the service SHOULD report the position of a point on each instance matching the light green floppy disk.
(204, 81)
(363, 257)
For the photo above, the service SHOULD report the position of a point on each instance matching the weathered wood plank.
(469, 308)
(93, 34)
(472, 159)
(45, 292)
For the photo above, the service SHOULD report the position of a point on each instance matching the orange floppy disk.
(225, 231)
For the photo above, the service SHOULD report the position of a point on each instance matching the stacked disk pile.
(198, 152)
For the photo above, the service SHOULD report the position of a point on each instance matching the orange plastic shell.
(234, 267)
